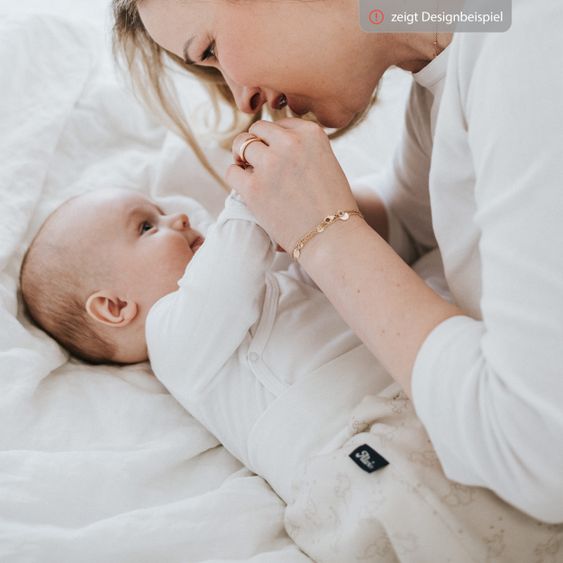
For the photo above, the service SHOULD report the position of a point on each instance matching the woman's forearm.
(385, 302)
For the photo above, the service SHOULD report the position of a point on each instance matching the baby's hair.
(54, 295)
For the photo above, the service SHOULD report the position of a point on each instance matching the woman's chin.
(335, 121)
(327, 120)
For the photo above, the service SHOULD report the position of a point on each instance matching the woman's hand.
(293, 180)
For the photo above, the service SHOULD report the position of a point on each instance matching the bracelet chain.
(324, 224)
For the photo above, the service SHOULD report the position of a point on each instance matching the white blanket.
(101, 463)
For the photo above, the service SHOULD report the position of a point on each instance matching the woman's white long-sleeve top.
(489, 386)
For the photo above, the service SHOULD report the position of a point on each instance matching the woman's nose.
(180, 222)
(248, 100)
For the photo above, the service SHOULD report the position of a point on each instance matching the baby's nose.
(181, 222)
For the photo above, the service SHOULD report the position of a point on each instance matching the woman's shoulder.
(528, 52)
(534, 29)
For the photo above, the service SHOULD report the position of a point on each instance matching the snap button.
(253, 356)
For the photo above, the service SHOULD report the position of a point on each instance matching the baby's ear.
(107, 308)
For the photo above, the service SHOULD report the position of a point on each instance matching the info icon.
(376, 17)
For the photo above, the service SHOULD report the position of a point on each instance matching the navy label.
(368, 459)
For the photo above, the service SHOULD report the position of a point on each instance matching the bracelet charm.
(324, 224)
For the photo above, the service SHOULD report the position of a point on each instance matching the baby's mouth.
(196, 244)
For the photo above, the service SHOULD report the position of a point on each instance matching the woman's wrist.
(327, 222)
(322, 247)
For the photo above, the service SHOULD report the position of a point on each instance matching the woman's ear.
(105, 307)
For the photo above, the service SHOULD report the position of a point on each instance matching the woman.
(480, 178)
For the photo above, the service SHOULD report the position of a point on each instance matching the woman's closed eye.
(209, 54)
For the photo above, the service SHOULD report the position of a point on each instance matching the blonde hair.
(145, 62)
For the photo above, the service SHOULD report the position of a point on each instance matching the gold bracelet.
(325, 223)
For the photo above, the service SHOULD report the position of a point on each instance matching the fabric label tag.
(368, 459)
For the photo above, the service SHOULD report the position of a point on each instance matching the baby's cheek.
(179, 260)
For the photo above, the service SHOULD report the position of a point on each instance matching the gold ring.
(244, 146)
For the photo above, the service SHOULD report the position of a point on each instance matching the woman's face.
(311, 53)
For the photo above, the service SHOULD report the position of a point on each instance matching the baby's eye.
(144, 227)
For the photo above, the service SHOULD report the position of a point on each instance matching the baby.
(97, 265)
(261, 358)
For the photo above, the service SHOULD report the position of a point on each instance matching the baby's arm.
(193, 332)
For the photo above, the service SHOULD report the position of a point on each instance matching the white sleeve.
(194, 331)
(490, 392)
(404, 185)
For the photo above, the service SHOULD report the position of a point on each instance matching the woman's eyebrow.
(187, 59)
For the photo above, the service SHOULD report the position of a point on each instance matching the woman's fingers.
(250, 150)
(271, 132)
(290, 123)
(237, 179)
(280, 134)
(274, 131)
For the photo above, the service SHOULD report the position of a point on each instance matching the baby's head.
(97, 265)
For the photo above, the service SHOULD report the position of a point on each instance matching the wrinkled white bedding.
(100, 463)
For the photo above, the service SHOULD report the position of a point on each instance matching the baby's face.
(145, 250)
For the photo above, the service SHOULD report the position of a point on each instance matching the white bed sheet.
(101, 463)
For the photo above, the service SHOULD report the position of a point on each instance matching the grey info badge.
(368, 459)
(432, 16)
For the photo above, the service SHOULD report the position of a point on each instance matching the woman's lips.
(296, 109)
(280, 102)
